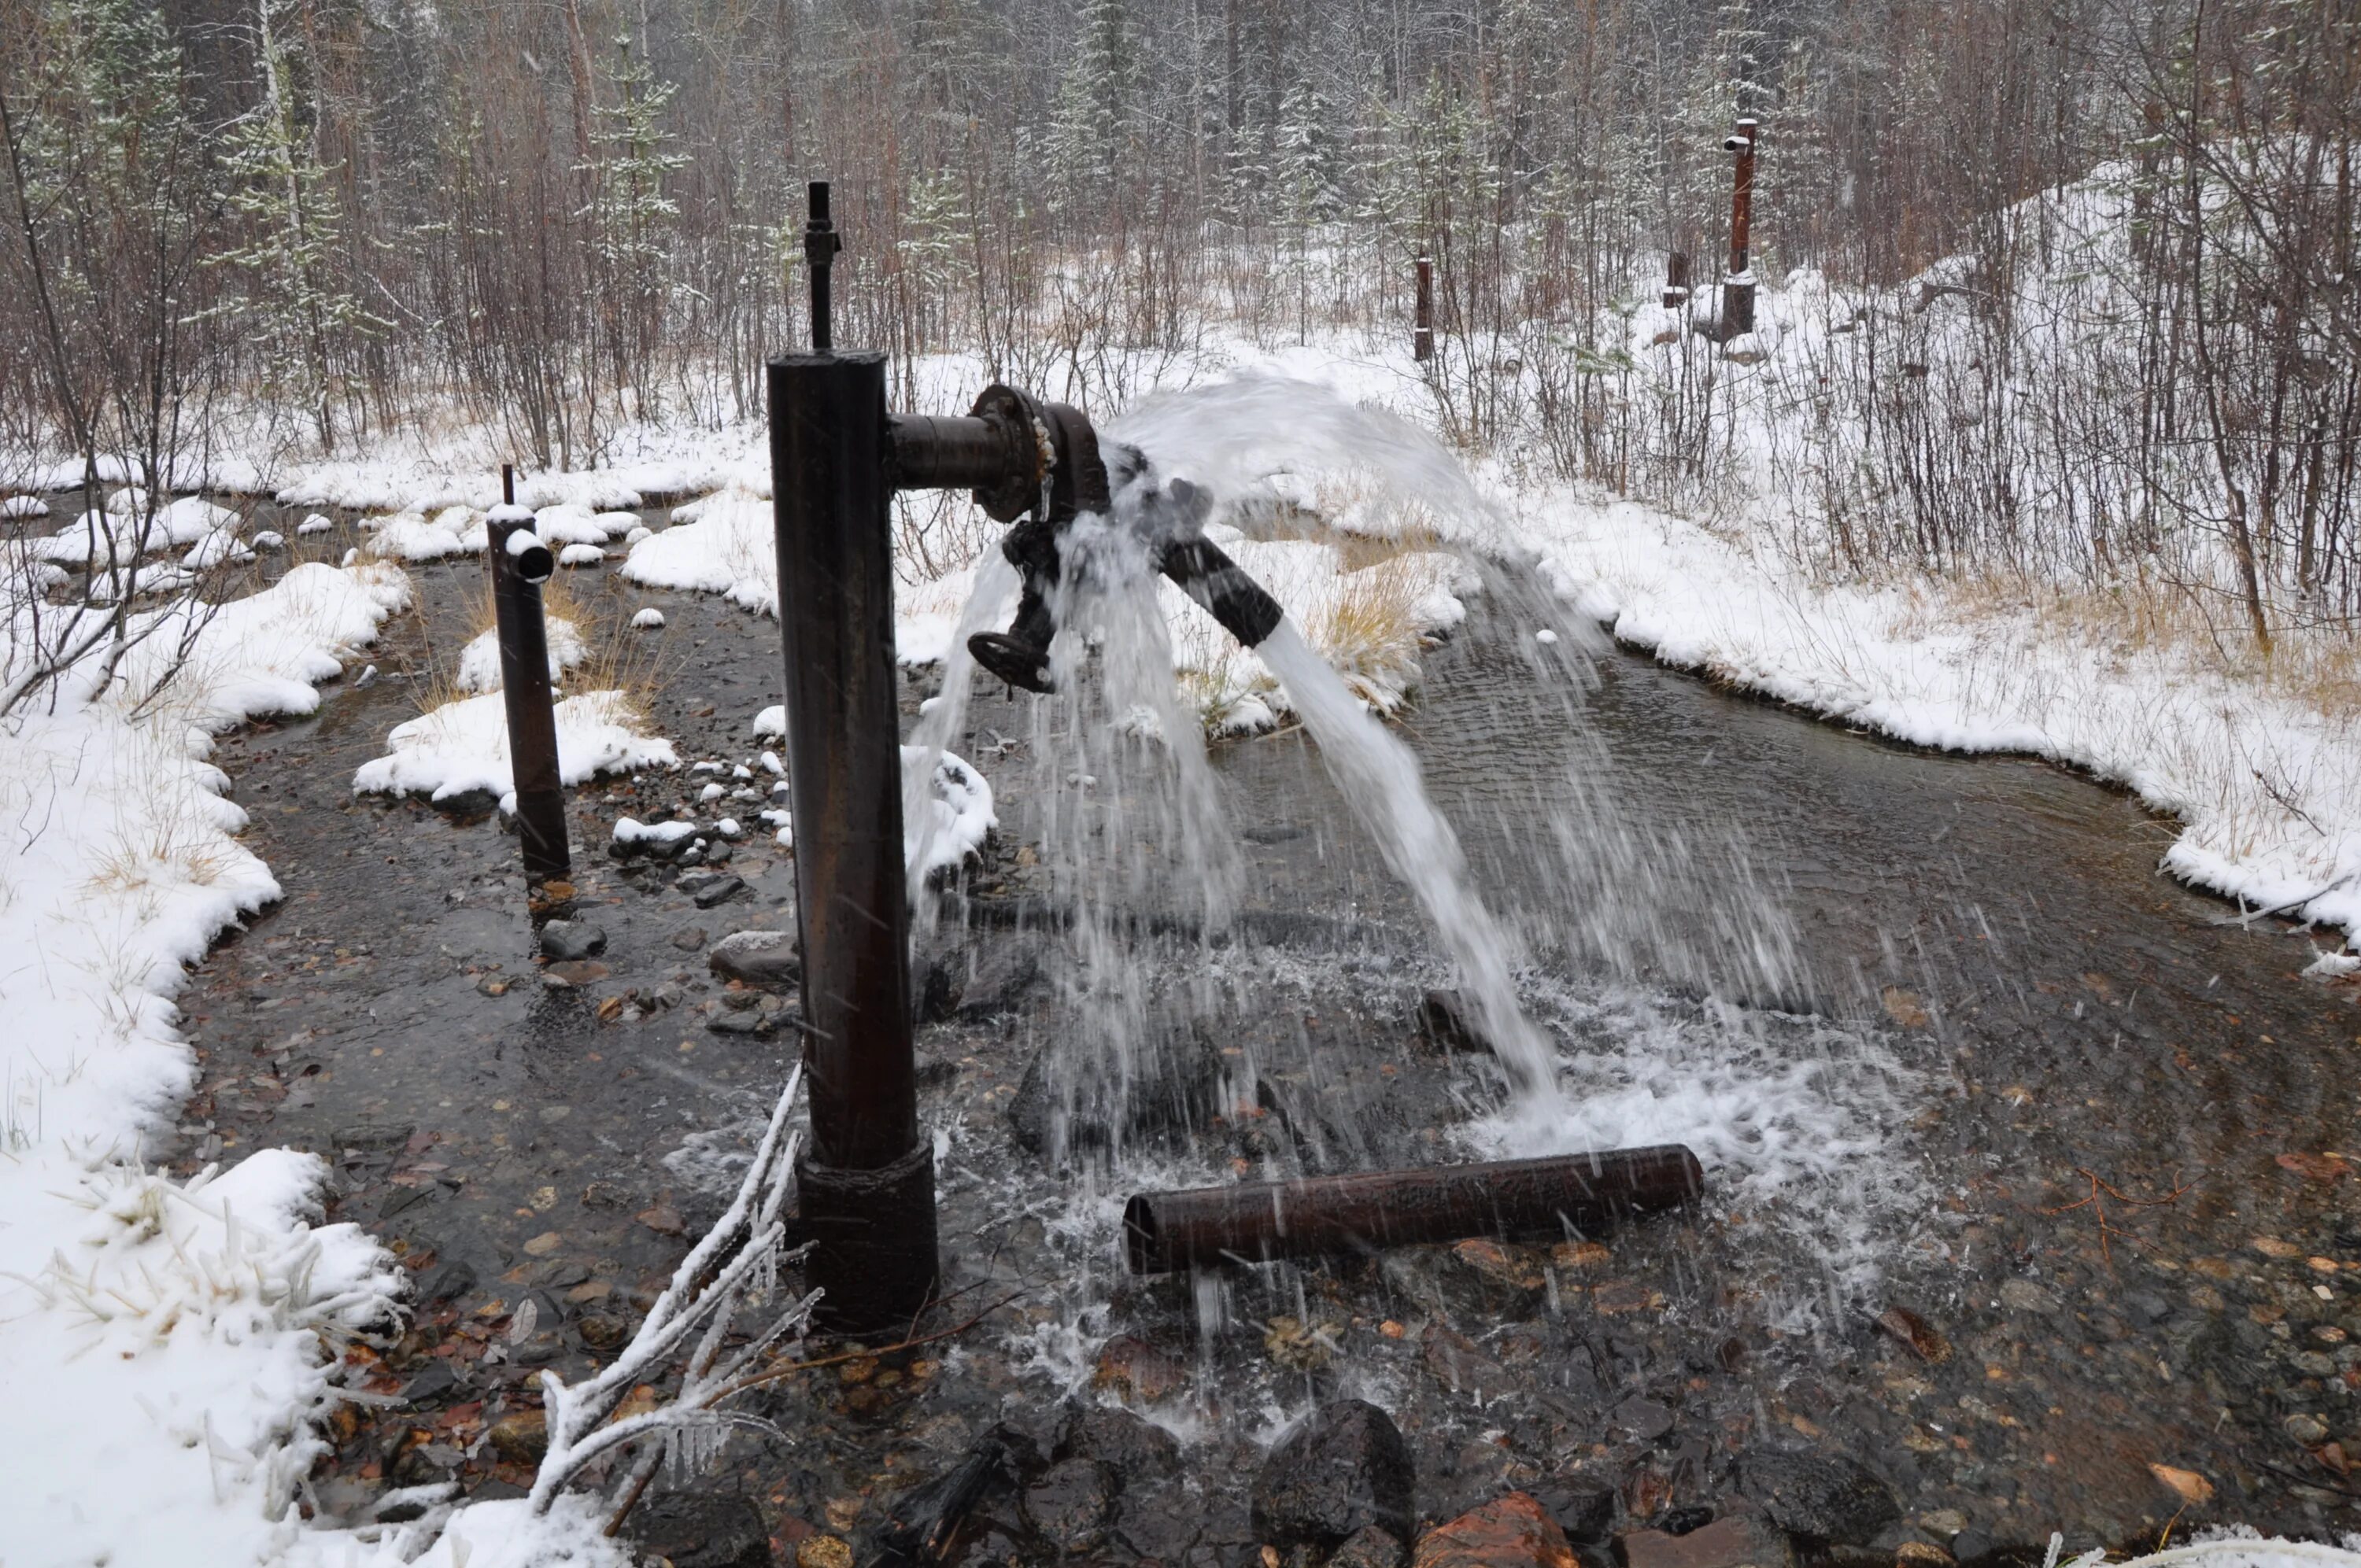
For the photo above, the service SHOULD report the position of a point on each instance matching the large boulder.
(757, 958)
(1821, 1498)
(1072, 1505)
(697, 1530)
(1334, 1473)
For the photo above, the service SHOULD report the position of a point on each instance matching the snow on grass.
(98, 538)
(177, 1341)
(480, 660)
(463, 747)
(410, 536)
(727, 547)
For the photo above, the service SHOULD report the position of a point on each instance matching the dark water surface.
(2038, 1016)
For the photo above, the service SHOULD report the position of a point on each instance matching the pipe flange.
(1019, 492)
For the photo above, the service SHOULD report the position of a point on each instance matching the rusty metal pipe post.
(867, 1179)
(520, 565)
(1738, 288)
(1257, 1222)
(1422, 331)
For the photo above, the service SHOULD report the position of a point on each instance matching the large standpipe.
(866, 1177)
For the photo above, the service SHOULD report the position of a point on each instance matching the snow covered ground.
(172, 1344)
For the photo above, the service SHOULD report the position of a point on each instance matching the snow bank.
(463, 746)
(729, 548)
(2269, 788)
(424, 472)
(122, 536)
(175, 1343)
(409, 536)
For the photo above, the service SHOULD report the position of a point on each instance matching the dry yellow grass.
(2314, 664)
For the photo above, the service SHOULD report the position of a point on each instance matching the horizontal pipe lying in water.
(1256, 1222)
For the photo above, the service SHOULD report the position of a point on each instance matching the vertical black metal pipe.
(525, 693)
(867, 1179)
(820, 245)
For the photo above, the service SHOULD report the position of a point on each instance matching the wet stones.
(1136, 1448)
(1821, 1498)
(697, 1529)
(718, 891)
(1734, 1540)
(1369, 1547)
(1072, 1505)
(374, 1137)
(1584, 1507)
(1337, 1472)
(567, 942)
(1459, 1366)
(1131, 1368)
(757, 958)
(1640, 1419)
(521, 1437)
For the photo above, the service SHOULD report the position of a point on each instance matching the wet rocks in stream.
(701, 1529)
(756, 957)
(1072, 1504)
(567, 941)
(1337, 1472)
(1512, 1531)
(1825, 1499)
(1063, 1103)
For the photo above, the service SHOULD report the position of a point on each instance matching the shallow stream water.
(1981, 1064)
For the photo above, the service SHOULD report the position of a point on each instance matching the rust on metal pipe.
(1421, 336)
(1257, 1222)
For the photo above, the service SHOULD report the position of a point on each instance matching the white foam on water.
(1795, 1119)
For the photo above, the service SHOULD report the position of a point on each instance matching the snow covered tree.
(632, 218)
(1090, 120)
(1307, 171)
(295, 309)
